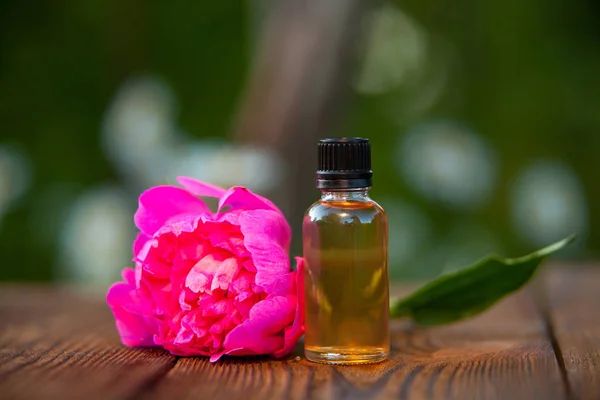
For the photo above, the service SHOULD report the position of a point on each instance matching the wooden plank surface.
(63, 344)
(573, 305)
(502, 354)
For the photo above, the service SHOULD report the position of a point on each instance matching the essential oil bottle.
(345, 244)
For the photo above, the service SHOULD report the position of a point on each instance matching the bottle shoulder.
(368, 209)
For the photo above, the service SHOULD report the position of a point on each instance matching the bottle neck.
(357, 194)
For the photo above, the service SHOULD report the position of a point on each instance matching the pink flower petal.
(128, 275)
(249, 265)
(220, 307)
(225, 274)
(267, 318)
(221, 239)
(199, 188)
(139, 243)
(284, 284)
(180, 224)
(240, 197)
(134, 329)
(264, 231)
(206, 302)
(183, 337)
(190, 250)
(292, 334)
(143, 251)
(241, 283)
(244, 302)
(209, 284)
(158, 204)
(200, 276)
(182, 303)
(140, 256)
(215, 357)
(190, 223)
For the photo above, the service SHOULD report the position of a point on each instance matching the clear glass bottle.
(345, 245)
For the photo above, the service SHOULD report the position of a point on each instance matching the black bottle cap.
(344, 163)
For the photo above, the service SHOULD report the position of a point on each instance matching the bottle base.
(346, 355)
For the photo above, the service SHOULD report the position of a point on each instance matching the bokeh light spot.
(448, 163)
(548, 202)
(95, 242)
(396, 49)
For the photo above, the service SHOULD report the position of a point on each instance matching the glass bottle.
(345, 245)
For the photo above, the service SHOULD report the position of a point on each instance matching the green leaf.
(471, 290)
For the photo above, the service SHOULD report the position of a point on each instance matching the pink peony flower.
(209, 283)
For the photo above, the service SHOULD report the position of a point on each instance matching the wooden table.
(541, 343)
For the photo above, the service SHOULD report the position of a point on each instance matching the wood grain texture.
(57, 344)
(573, 307)
(502, 354)
(63, 344)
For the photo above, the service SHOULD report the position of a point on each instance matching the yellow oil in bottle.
(345, 244)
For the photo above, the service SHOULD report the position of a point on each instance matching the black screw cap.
(344, 163)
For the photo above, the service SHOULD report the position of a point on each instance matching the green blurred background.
(484, 119)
